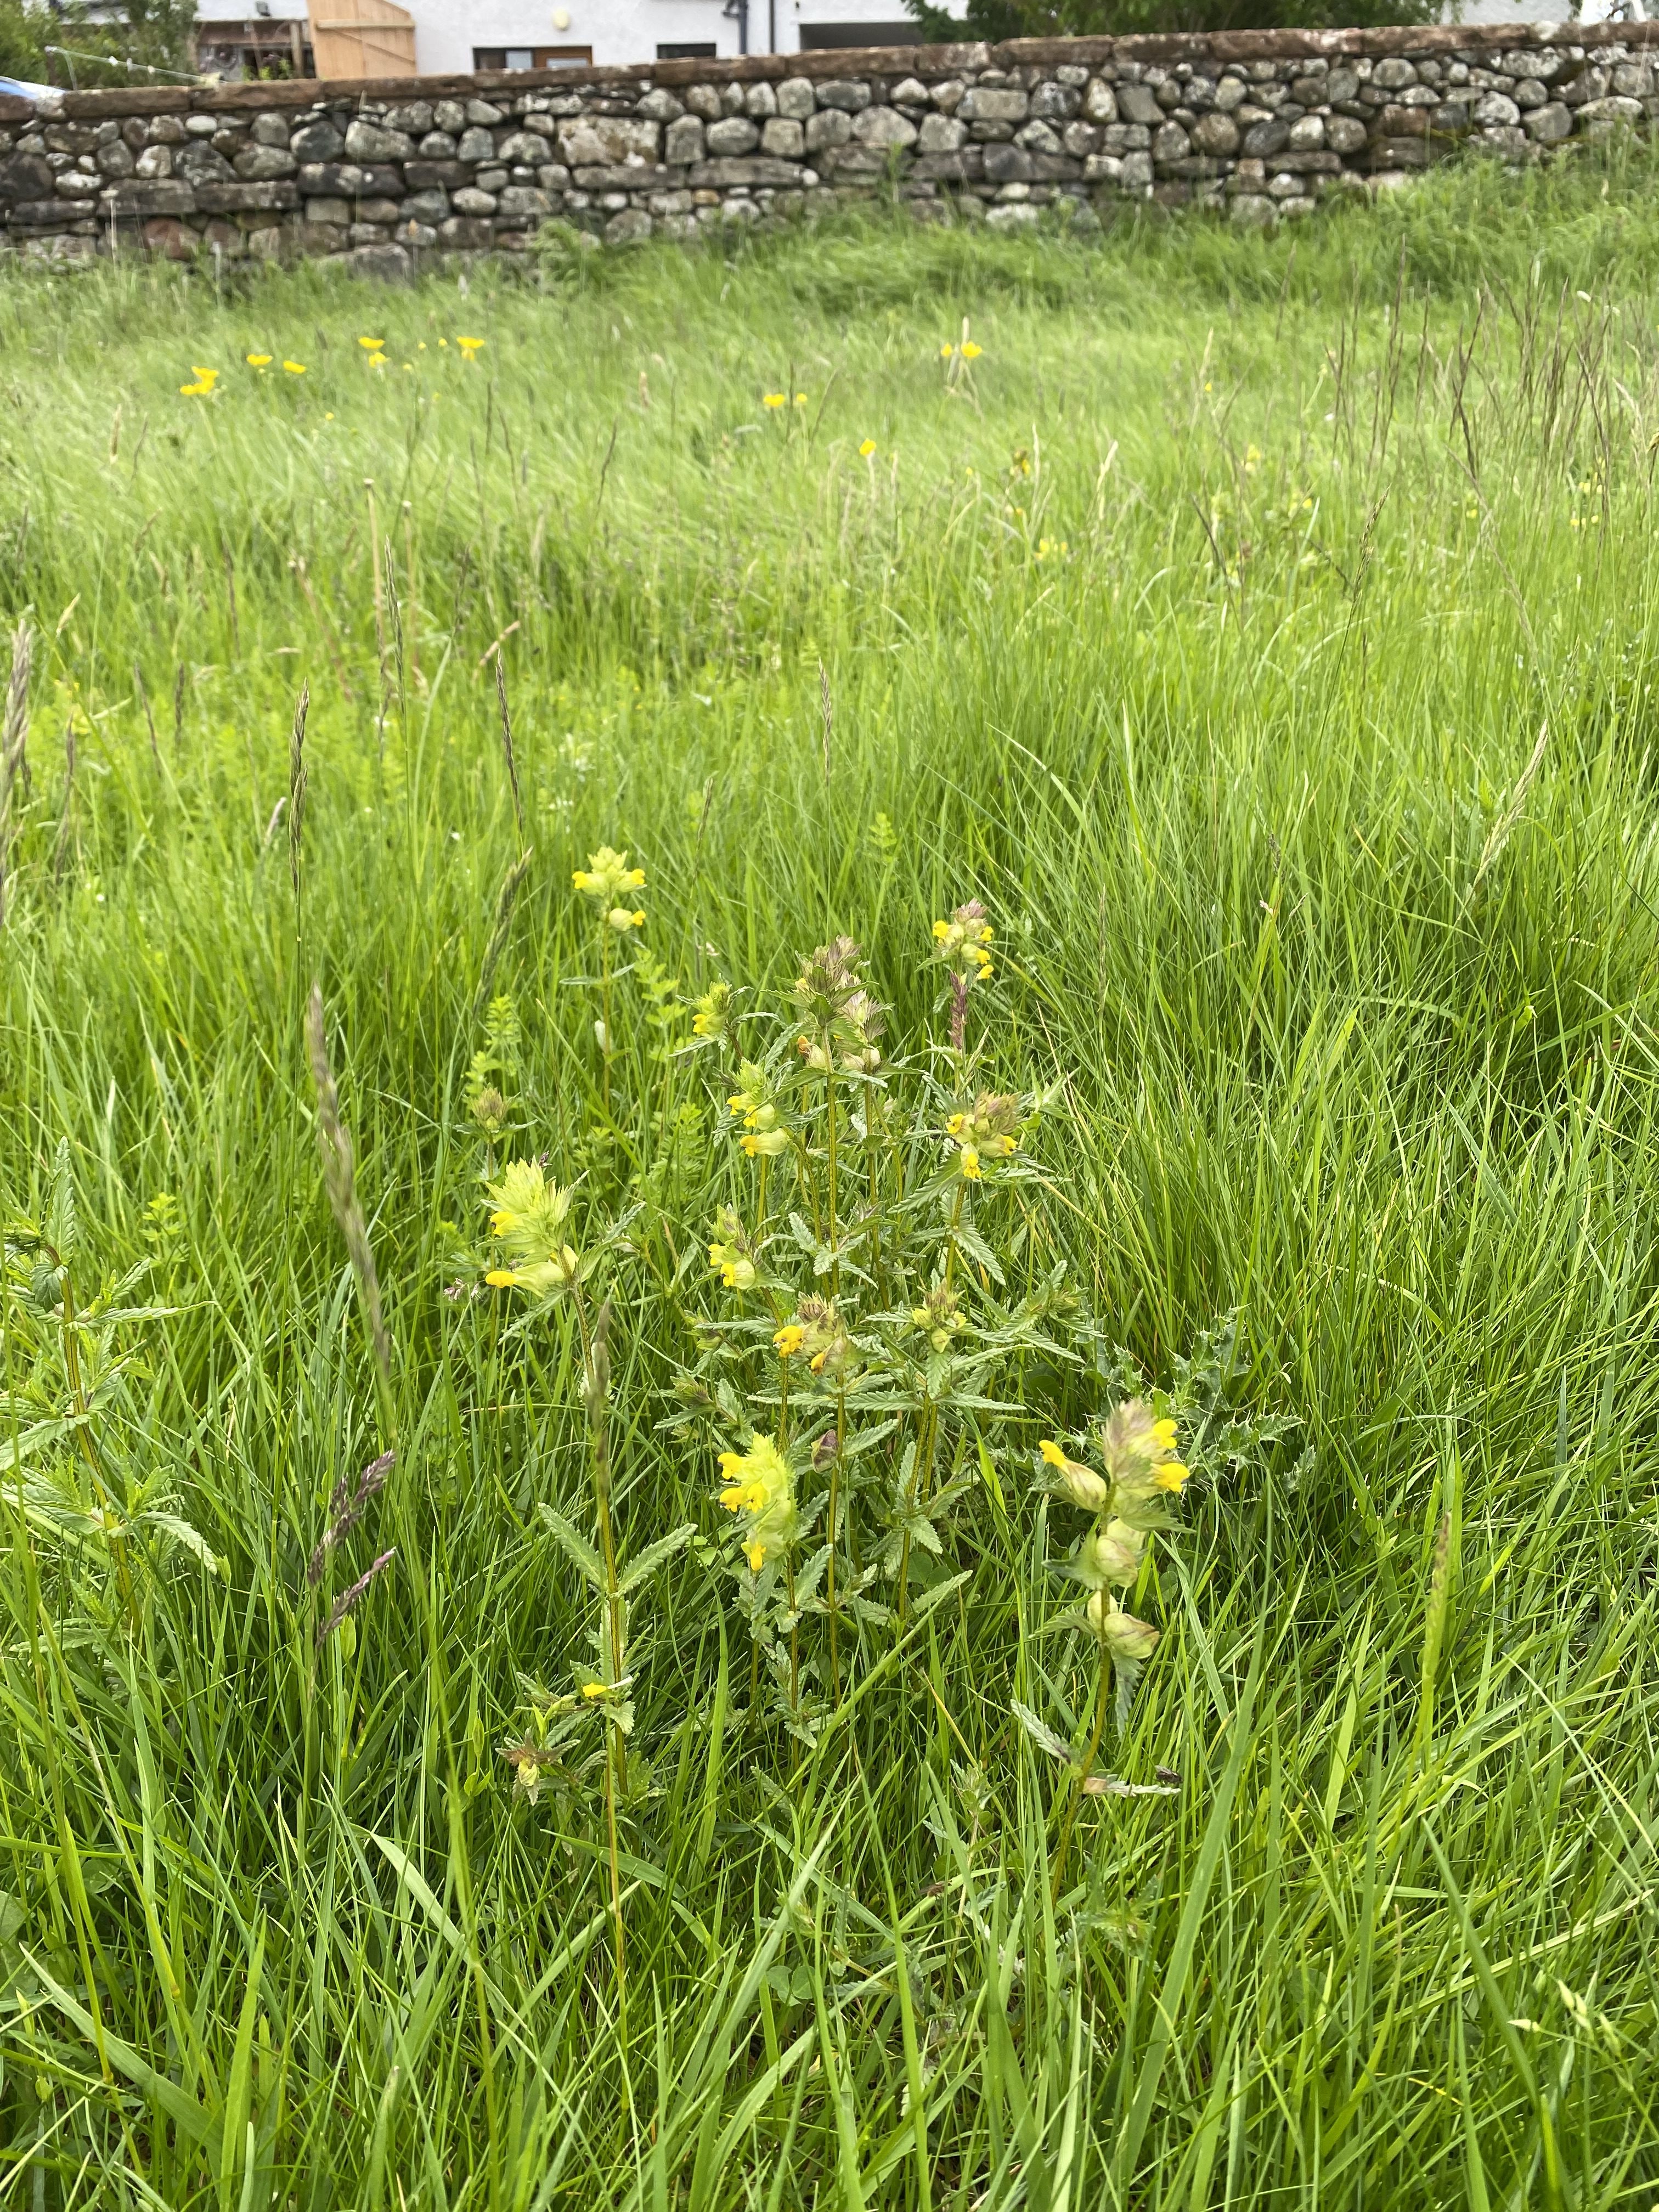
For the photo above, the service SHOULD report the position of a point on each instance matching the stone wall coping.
(886, 62)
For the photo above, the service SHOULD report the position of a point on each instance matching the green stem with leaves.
(1079, 1786)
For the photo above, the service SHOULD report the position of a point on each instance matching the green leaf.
(978, 1250)
(1042, 1734)
(576, 1547)
(656, 1555)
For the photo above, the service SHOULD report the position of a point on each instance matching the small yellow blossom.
(969, 350)
(205, 380)
(607, 874)
(621, 918)
(296, 368)
(772, 399)
(257, 360)
(866, 449)
(528, 1218)
(765, 1144)
(470, 347)
(789, 1340)
(371, 345)
(945, 351)
(969, 1163)
(759, 1483)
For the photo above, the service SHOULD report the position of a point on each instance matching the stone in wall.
(1259, 124)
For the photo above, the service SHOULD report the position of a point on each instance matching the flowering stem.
(760, 1202)
(604, 1017)
(794, 1644)
(1078, 1787)
(596, 1377)
(956, 1220)
(829, 1119)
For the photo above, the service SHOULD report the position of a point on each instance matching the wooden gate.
(363, 38)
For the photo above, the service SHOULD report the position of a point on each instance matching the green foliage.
(1206, 633)
(153, 34)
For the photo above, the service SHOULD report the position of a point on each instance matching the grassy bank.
(1264, 630)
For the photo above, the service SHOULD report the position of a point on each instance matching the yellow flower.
(470, 347)
(772, 399)
(735, 1268)
(969, 350)
(371, 345)
(765, 1144)
(622, 918)
(1081, 1484)
(963, 942)
(294, 367)
(257, 360)
(800, 399)
(866, 449)
(205, 380)
(758, 1483)
(606, 875)
(528, 1218)
(970, 1161)
(945, 352)
(789, 1340)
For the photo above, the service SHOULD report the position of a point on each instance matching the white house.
(435, 37)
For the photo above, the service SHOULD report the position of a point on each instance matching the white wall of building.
(448, 32)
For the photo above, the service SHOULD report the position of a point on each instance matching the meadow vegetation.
(828, 1135)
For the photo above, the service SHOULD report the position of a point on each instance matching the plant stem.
(596, 1364)
(1091, 1749)
(604, 1017)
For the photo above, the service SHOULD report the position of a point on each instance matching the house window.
(680, 51)
(821, 35)
(532, 58)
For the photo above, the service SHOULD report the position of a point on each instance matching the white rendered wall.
(447, 31)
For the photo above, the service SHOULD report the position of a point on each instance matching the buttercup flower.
(257, 360)
(866, 449)
(205, 380)
(294, 367)
(470, 347)
(969, 350)
(529, 1215)
(759, 1485)
(371, 345)
(774, 399)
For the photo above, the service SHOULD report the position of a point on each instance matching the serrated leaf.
(574, 1545)
(192, 1538)
(656, 1555)
(978, 1250)
(1113, 1786)
(937, 1595)
(802, 1235)
(867, 1439)
(1040, 1734)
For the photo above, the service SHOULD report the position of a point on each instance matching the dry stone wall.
(383, 175)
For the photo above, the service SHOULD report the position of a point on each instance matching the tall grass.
(1266, 630)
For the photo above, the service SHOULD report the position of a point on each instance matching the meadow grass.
(1265, 629)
